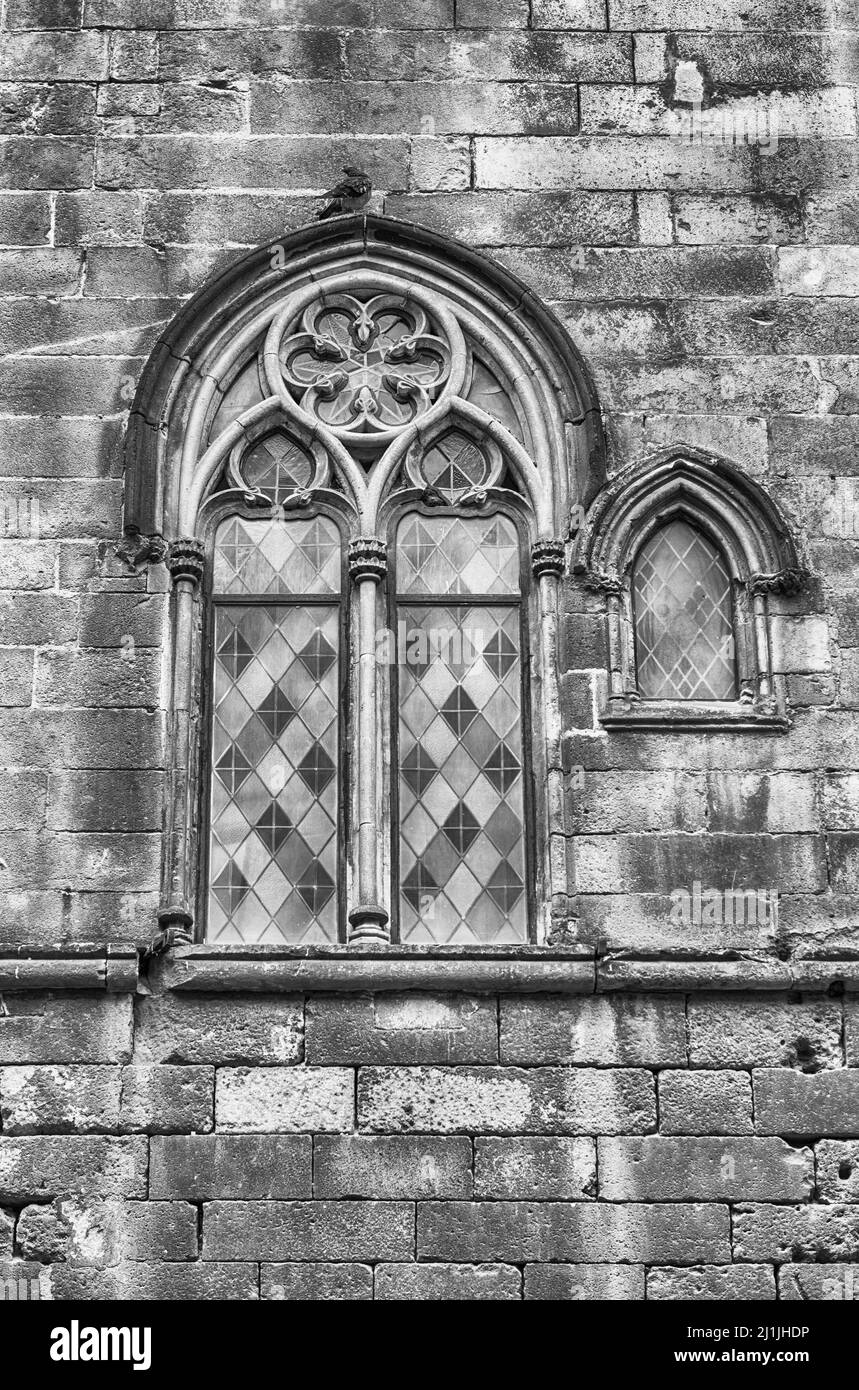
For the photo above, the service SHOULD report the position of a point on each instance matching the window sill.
(668, 715)
(341, 969)
(522, 970)
(365, 969)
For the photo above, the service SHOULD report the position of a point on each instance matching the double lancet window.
(367, 453)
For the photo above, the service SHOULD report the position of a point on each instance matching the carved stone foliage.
(366, 364)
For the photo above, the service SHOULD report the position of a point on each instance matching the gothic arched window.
(366, 449)
(687, 550)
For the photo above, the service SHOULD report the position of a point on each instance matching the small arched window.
(687, 550)
(683, 611)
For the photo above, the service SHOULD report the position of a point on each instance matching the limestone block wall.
(430, 1146)
(678, 181)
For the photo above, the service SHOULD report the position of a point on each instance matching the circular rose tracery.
(365, 366)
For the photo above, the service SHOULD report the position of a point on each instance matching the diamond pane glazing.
(277, 557)
(273, 846)
(277, 465)
(462, 847)
(454, 464)
(457, 555)
(683, 630)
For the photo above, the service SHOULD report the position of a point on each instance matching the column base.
(175, 925)
(369, 924)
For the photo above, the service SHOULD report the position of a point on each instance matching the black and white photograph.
(429, 670)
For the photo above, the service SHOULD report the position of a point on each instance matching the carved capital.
(547, 557)
(368, 559)
(186, 559)
(787, 581)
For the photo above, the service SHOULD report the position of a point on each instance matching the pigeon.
(350, 195)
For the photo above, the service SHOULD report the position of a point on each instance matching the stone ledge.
(524, 970)
(112, 968)
(197, 969)
(673, 718)
(531, 970)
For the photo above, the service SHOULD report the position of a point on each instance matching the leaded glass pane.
(487, 392)
(457, 555)
(273, 853)
(277, 557)
(454, 464)
(277, 465)
(683, 629)
(462, 850)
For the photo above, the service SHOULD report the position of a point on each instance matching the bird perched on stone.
(350, 195)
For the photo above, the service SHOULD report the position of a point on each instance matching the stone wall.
(431, 1146)
(545, 1141)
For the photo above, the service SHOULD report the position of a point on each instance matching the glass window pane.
(683, 626)
(277, 465)
(454, 464)
(277, 557)
(462, 849)
(457, 555)
(273, 848)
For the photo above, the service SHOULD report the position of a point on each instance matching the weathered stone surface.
(197, 1282)
(764, 1032)
(451, 1282)
(815, 1233)
(505, 1100)
(788, 1102)
(35, 1168)
(528, 1168)
(576, 1231)
(831, 1281)
(851, 1031)
(228, 1032)
(565, 1282)
(713, 1283)
(657, 1169)
(167, 1100)
(285, 1099)
(65, 1028)
(837, 1166)
(629, 1031)
(106, 1233)
(391, 1167)
(7, 1227)
(696, 1102)
(241, 1166)
(51, 1100)
(308, 1231)
(400, 1028)
(314, 1282)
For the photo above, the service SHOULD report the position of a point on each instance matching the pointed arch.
(216, 370)
(353, 349)
(743, 524)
